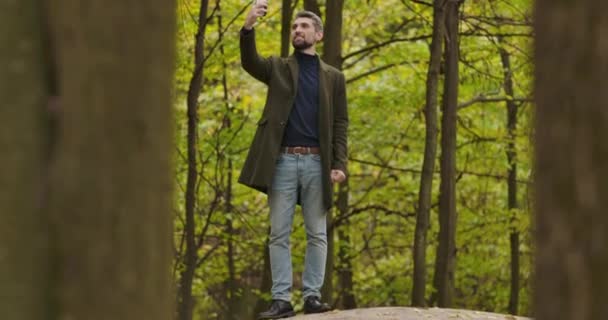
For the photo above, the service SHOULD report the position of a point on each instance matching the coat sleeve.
(340, 125)
(257, 66)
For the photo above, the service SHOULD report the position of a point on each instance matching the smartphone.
(256, 2)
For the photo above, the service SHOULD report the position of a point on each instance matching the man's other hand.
(337, 176)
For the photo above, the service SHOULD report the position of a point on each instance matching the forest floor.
(402, 313)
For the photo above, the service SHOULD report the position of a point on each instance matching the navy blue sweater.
(303, 124)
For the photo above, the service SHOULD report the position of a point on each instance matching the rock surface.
(402, 313)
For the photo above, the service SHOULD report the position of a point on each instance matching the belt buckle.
(295, 150)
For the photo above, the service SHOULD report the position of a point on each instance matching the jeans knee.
(278, 239)
(317, 238)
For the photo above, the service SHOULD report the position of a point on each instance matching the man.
(298, 151)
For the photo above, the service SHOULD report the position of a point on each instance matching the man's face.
(303, 34)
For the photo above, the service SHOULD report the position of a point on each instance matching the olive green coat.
(281, 76)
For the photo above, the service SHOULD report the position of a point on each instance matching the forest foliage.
(385, 60)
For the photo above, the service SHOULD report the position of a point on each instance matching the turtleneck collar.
(305, 57)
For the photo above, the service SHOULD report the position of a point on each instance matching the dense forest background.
(454, 76)
(436, 210)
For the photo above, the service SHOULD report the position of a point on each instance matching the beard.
(301, 45)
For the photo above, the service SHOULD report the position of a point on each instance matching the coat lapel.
(323, 86)
(324, 108)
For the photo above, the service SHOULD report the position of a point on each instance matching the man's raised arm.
(251, 61)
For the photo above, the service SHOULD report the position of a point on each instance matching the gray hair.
(311, 15)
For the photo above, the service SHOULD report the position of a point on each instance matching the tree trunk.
(332, 35)
(233, 310)
(313, 6)
(512, 178)
(24, 89)
(185, 301)
(332, 54)
(110, 179)
(285, 27)
(266, 282)
(345, 266)
(571, 58)
(446, 250)
(430, 153)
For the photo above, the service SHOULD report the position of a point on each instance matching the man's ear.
(319, 35)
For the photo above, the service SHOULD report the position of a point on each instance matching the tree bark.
(286, 12)
(313, 6)
(110, 182)
(345, 265)
(571, 59)
(512, 178)
(332, 35)
(446, 250)
(185, 300)
(24, 90)
(430, 153)
(233, 310)
(266, 281)
(332, 54)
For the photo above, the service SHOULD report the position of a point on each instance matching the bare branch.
(425, 37)
(497, 21)
(385, 43)
(483, 99)
(424, 3)
(378, 69)
(207, 254)
(344, 218)
(418, 171)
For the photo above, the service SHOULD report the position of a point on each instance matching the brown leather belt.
(301, 150)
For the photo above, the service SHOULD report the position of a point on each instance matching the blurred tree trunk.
(332, 55)
(185, 299)
(512, 178)
(430, 153)
(110, 185)
(571, 58)
(24, 88)
(446, 249)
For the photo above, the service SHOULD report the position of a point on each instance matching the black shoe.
(278, 309)
(313, 304)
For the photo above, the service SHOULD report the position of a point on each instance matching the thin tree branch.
(422, 2)
(385, 43)
(425, 37)
(417, 171)
(484, 99)
(378, 69)
(344, 218)
(207, 255)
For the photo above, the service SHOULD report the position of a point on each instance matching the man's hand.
(337, 176)
(259, 9)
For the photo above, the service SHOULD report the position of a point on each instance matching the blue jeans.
(297, 175)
